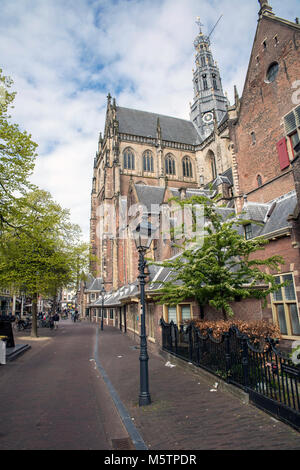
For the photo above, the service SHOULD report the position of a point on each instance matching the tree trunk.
(224, 314)
(34, 316)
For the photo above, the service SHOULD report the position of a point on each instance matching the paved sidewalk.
(185, 414)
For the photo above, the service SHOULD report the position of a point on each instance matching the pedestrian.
(51, 322)
(56, 320)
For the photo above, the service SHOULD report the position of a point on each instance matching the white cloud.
(65, 56)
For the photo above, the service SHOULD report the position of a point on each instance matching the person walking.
(56, 320)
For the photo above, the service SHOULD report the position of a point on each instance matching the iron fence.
(260, 369)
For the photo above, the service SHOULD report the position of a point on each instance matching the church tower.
(210, 103)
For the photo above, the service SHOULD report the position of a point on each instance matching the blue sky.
(66, 55)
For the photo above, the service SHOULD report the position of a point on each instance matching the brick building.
(243, 151)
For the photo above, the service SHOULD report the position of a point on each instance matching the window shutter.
(290, 123)
(283, 155)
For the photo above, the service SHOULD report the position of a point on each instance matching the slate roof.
(149, 195)
(95, 285)
(144, 124)
(271, 217)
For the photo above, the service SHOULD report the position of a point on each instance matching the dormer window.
(248, 231)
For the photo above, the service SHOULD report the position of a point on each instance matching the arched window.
(187, 169)
(205, 84)
(170, 165)
(213, 166)
(214, 79)
(272, 72)
(148, 161)
(128, 159)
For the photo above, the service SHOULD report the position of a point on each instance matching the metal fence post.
(227, 354)
(190, 343)
(245, 361)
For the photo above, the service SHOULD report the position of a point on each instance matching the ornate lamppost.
(144, 235)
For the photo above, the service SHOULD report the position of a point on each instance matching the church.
(246, 152)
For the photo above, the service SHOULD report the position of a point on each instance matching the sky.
(65, 56)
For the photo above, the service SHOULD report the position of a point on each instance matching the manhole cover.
(122, 444)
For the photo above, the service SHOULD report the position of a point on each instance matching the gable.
(276, 40)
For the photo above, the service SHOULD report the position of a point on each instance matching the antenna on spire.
(198, 22)
(215, 26)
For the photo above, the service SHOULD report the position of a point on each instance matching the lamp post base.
(144, 399)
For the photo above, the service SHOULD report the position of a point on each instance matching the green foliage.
(17, 157)
(217, 266)
(40, 249)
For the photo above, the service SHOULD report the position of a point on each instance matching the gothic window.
(148, 161)
(170, 165)
(187, 168)
(128, 159)
(205, 84)
(203, 62)
(213, 165)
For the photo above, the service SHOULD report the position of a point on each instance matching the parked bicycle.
(23, 324)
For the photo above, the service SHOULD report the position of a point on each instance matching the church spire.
(208, 92)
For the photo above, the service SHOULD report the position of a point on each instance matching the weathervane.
(198, 22)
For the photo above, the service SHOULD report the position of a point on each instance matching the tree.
(219, 265)
(41, 256)
(17, 158)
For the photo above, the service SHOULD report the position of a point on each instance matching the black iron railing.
(267, 374)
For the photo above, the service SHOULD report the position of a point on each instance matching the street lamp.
(144, 235)
(102, 295)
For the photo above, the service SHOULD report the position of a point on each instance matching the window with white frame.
(292, 127)
(178, 314)
(285, 307)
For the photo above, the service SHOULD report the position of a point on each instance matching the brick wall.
(263, 107)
